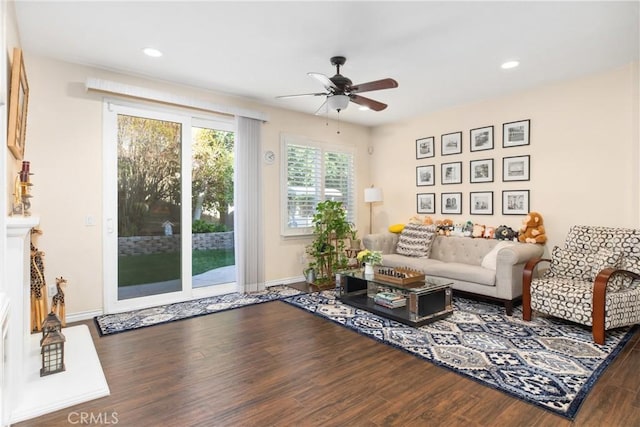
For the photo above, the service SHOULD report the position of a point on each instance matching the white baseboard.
(284, 281)
(83, 315)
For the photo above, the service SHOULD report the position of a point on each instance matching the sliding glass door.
(169, 232)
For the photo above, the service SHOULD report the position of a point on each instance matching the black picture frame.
(451, 203)
(425, 175)
(515, 134)
(481, 203)
(515, 202)
(516, 168)
(481, 139)
(481, 171)
(426, 203)
(451, 173)
(451, 143)
(425, 147)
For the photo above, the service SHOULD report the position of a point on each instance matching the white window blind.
(313, 173)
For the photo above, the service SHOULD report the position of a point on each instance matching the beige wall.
(584, 163)
(584, 155)
(64, 145)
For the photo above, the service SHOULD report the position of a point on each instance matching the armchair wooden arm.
(527, 275)
(600, 298)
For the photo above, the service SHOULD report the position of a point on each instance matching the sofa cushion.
(580, 265)
(462, 272)
(420, 264)
(416, 240)
(593, 239)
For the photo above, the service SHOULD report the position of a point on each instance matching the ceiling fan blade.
(367, 102)
(326, 81)
(375, 85)
(301, 94)
(323, 108)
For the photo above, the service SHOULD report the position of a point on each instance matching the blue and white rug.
(120, 322)
(546, 362)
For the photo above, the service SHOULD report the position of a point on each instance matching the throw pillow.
(490, 260)
(621, 281)
(415, 240)
(579, 265)
(396, 228)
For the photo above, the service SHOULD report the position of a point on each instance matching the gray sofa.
(485, 267)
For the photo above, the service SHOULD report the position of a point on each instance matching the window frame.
(285, 141)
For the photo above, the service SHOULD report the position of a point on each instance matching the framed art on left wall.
(18, 101)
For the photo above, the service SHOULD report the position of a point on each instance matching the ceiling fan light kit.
(340, 90)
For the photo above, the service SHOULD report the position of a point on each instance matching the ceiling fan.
(340, 90)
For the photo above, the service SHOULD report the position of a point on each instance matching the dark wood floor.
(275, 365)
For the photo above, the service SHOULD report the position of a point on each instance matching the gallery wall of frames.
(438, 167)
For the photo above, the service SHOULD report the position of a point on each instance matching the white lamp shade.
(372, 194)
(338, 102)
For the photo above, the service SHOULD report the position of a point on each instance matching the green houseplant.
(330, 229)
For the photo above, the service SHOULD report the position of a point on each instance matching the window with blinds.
(311, 173)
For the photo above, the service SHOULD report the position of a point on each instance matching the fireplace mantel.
(18, 291)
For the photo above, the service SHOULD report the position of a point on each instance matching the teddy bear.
(506, 233)
(532, 230)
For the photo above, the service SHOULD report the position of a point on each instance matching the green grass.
(140, 269)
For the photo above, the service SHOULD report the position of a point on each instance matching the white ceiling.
(441, 53)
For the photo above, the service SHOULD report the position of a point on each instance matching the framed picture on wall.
(515, 133)
(481, 171)
(481, 138)
(425, 147)
(425, 175)
(426, 203)
(515, 202)
(451, 203)
(451, 143)
(481, 203)
(451, 173)
(515, 168)
(18, 102)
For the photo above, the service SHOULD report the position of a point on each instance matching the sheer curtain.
(248, 210)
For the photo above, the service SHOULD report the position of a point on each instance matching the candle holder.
(21, 196)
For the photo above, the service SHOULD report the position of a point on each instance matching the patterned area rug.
(109, 324)
(547, 362)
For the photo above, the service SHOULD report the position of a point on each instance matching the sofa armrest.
(384, 242)
(510, 264)
(517, 254)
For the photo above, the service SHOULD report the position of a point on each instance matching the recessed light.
(510, 64)
(154, 53)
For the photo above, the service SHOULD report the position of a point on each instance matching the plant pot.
(368, 269)
(355, 244)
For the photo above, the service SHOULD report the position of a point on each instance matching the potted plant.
(370, 258)
(355, 243)
(327, 250)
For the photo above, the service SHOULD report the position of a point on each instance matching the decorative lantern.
(50, 324)
(52, 353)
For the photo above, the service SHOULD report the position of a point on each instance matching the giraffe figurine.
(57, 303)
(38, 286)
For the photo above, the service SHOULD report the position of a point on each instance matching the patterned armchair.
(594, 280)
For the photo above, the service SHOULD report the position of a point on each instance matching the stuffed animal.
(427, 220)
(489, 232)
(532, 230)
(467, 230)
(457, 230)
(506, 233)
(447, 224)
(478, 230)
